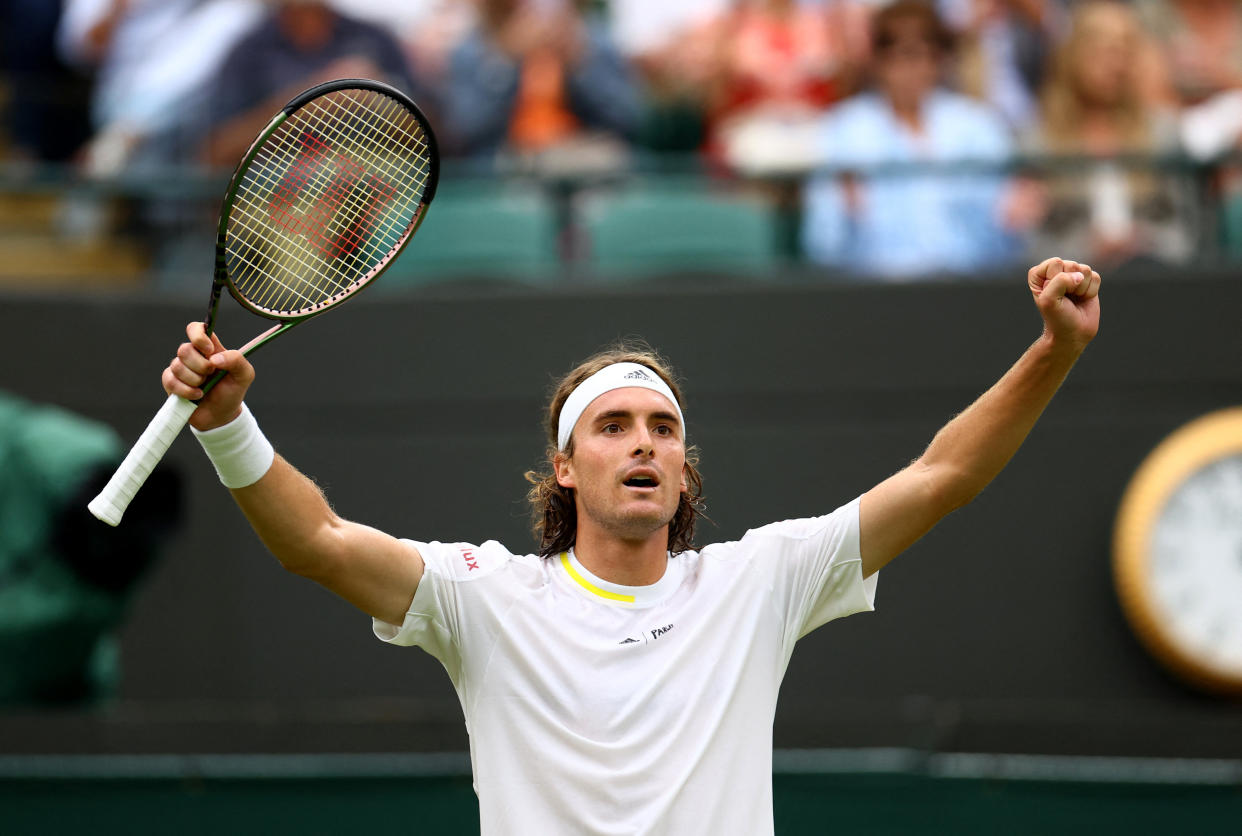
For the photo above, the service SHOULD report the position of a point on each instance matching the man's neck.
(625, 562)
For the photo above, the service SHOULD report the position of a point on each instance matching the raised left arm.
(969, 451)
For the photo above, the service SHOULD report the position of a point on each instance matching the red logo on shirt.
(472, 562)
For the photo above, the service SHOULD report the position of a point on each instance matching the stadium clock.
(1177, 552)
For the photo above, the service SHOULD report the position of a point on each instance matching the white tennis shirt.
(595, 708)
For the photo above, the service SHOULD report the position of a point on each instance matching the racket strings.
(388, 143)
(387, 218)
(334, 279)
(359, 209)
(349, 187)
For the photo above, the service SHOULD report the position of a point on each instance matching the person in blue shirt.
(923, 215)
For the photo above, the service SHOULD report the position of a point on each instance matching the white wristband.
(239, 450)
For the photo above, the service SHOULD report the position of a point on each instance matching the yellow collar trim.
(590, 587)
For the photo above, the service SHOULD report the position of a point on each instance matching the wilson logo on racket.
(357, 196)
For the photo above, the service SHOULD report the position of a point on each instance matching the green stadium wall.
(419, 412)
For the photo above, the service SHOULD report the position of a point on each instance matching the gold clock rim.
(1180, 454)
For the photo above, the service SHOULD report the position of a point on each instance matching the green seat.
(501, 233)
(1231, 227)
(647, 231)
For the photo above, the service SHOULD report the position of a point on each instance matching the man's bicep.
(894, 514)
(375, 572)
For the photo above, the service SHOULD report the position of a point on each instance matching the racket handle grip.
(146, 453)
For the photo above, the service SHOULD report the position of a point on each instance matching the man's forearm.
(291, 516)
(975, 446)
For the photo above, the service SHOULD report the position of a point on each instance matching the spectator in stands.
(903, 224)
(1201, 41)
(151, 60)
(1003, 47)
(673, 48)
(297, 44)
(1098, 109)
(644, 28)
(780, 63)
(428, 30)
(537, 76)
(45, 113)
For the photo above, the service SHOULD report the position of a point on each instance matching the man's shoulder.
(468, 562)
(763, 537)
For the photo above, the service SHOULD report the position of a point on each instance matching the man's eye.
(612, 428)
(664, 429)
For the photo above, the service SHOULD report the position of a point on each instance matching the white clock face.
(1196, 565)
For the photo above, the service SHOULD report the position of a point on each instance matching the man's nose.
(643, 445)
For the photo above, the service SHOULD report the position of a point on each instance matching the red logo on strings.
(360, 197)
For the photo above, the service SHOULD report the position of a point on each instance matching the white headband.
(616, 376)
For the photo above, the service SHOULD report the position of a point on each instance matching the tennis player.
(622, 682)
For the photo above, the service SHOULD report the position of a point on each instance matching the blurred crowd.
(923, 136)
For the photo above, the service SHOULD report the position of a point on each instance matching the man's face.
(628, 464)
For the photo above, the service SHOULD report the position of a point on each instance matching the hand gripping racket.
(322, 201)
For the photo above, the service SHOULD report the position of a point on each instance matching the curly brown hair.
(554, 515)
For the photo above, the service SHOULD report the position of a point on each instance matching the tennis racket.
(324, 199)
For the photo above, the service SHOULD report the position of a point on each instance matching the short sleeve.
(451, 612)
(430, 621)
(815, 569)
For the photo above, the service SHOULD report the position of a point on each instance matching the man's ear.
(562, 466)
(685, 482)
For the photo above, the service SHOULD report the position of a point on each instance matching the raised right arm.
(372, 570)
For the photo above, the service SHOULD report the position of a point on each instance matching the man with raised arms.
(620, 680)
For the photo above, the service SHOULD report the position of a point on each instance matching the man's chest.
(610, 673)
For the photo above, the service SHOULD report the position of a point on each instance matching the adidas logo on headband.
(615, 376)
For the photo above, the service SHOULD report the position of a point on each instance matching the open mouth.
(641, 482)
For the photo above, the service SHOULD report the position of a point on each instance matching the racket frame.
(147, 451)
(221, 278)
